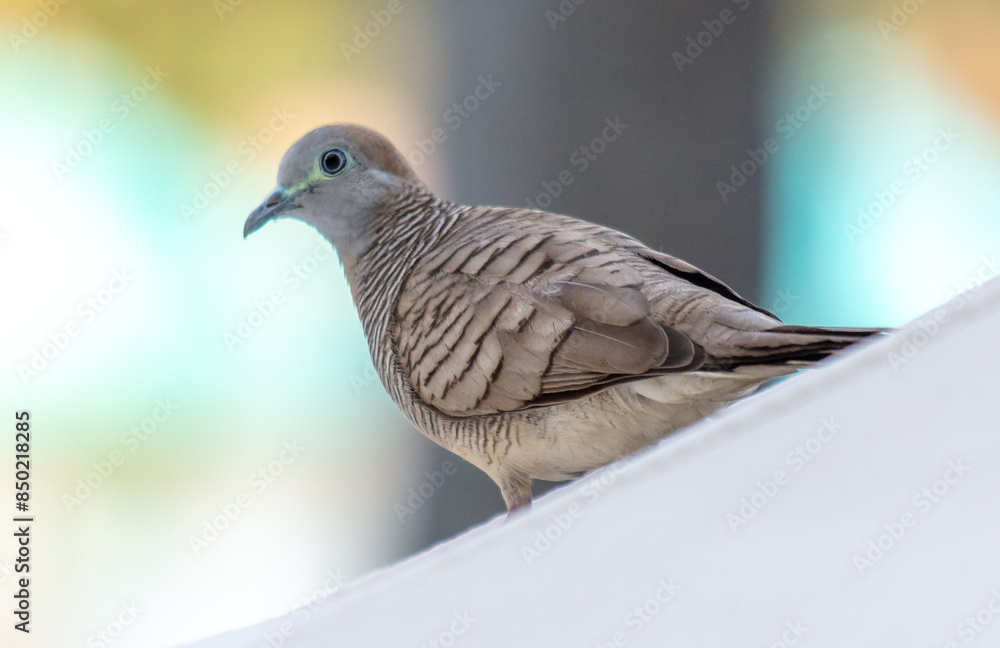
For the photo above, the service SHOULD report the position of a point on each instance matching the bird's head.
(334, 178)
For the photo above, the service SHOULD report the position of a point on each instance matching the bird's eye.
(334, 161)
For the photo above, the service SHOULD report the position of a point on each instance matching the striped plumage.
(531, 344)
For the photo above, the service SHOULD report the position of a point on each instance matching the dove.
(531, 344)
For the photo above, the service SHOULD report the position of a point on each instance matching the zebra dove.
(533, 345)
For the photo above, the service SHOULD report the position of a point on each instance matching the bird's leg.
(516, 491)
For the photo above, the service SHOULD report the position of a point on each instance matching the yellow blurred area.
(231, 59)
(962, 44)
(957, 38)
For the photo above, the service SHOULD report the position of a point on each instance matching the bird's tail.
(788, 344)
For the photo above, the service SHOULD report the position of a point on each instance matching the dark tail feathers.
(798, 344)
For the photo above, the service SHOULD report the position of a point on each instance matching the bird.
(531, 344)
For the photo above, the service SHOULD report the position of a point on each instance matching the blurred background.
(211, 445)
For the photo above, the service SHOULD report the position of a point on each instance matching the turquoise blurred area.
(174, 370)
(882, 205)
(189, 283)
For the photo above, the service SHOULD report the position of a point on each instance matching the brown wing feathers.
(499, 320)
(513, 322)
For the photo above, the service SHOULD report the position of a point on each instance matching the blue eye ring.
(333, 161)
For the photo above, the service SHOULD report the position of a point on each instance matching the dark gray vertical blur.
(561, 71)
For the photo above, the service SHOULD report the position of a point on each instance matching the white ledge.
(857, 504)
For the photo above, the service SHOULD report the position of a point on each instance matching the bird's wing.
(501, 322)
(684, 270)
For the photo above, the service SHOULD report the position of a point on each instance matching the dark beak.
(280, 201)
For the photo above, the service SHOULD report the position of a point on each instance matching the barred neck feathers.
(403, 229)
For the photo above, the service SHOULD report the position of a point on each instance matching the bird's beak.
(281, 200)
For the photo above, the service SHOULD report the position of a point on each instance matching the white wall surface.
(857, 504)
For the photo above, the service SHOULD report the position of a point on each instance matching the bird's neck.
(403, 229)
